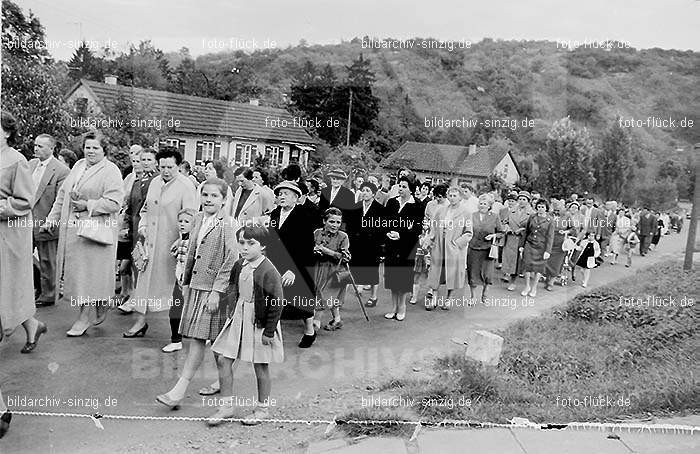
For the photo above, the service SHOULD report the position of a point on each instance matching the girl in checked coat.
(211, 254)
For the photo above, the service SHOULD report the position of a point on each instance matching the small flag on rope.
(331, 426)
(415, 431)
(96, 419)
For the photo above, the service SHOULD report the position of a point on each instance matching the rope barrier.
(677, 429)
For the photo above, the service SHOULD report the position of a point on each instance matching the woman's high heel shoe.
(30, 346)
(139, 333)
(75, 332)
(165, 400)
(5, 423)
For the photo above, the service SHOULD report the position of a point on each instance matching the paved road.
(83, 375)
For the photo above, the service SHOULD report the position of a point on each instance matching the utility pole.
(694, 214)
(347, 139)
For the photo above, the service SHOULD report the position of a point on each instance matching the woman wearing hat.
(536, 246)
(292, 255)
(514, 229)
(404, 217)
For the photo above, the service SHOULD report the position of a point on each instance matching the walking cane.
(357, 293)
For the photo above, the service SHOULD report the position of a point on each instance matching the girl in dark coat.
(292, 255)
(404, 223)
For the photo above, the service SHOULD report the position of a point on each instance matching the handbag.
(493, 251)
(590, 263)
(140, 256)
(95, 230)
(341, 276)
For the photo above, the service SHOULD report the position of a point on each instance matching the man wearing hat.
(514, 229)
(292, 255)
(337, 195)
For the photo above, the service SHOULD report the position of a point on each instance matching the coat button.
(194, 272)
(199, 256)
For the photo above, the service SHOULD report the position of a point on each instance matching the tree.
(365, 106)
(22, 36)
(567, 161)
(614, 163)
(143, 66)
(29, 88)
(84, 65)
(30, 93)
(658, 195)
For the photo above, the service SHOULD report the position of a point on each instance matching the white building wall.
(506, 168)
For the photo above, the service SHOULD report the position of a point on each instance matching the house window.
(81, 105)
(207, 150)
(294, 157)
(243, 154)
(179, 144)
(274, 154)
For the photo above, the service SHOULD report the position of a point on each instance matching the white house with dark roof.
(208, 129)
(444, 163)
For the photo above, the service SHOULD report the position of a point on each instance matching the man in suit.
(48, 174)
(647, 227)
(337, 195)
(251, 201)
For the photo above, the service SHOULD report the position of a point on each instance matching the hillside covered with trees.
(396, 92)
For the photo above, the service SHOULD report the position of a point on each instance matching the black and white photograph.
(390, 227)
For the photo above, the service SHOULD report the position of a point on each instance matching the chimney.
(111, 79)
(472, 149)
(254, 102)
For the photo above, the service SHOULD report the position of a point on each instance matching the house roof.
(203, 116)
(446, 159)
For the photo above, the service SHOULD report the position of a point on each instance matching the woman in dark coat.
(563, 226)
(292, 255)
(366, 238)
(536, 246)
(404, 223)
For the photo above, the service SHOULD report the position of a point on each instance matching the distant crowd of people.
(228, 263)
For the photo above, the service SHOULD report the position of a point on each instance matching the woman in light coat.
(90, 195)
(16, 193)
(450, 233)
(167, 194)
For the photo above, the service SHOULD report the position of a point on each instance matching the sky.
(206, 26)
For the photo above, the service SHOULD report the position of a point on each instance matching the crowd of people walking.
(228, 264)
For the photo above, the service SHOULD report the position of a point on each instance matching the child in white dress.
(253, 332)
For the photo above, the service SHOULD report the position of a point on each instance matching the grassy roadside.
(602, 356)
